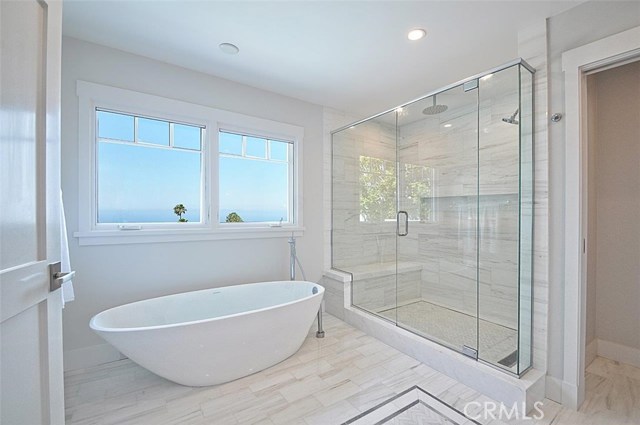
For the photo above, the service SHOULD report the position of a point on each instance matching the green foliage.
(378, 190)
(178, 210)
(416, 182)
(234, 218)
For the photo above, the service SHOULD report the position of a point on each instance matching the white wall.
(116, 274)
(617, 161)
(578, 26)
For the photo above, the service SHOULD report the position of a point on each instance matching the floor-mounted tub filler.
(215, 335)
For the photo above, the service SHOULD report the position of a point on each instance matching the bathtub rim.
(97, 328)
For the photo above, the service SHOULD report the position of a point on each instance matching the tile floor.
(413, 406)
(612, 396)
(419, 414)
(327, 382)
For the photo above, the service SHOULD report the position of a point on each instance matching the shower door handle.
(406, 223)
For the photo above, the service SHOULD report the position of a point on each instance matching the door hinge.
(470, 352)
(470, 85)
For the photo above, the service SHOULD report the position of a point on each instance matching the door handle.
(57, 278)
(406, 223)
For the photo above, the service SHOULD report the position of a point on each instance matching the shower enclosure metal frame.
(475, 78)
(518, 61)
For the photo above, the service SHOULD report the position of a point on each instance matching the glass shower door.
(437, 156)
(364, 212)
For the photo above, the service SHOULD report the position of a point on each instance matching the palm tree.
(179, 210)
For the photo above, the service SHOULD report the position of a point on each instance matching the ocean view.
(167, 216)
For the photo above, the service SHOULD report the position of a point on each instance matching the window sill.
(121, 237)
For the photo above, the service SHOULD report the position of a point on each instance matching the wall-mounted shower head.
(512, 119)
(435, 108)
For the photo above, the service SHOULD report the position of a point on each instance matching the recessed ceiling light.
(448, 125)
(416, 34)
(229, 48)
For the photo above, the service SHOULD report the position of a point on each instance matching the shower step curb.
(498, 385)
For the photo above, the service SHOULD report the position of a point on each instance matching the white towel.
(65, 265)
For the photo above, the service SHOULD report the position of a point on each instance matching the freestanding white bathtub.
(215, 335)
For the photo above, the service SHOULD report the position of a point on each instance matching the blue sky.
(140, 183)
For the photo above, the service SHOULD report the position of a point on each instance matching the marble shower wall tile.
(447, 242)
(532, 47)
(384, 292)
(356, 242)
(332, 119)
(468, 160)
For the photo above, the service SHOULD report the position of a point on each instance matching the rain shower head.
(512, 119)
(435, 108)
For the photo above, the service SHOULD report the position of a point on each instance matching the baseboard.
(93, 355)
(571, 397)
(618, 352)
(591, 352)
(553, 390)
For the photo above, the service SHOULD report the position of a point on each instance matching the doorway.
(578, 65)
(613, 229)
(612, 341)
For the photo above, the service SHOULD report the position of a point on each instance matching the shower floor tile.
(455, 329)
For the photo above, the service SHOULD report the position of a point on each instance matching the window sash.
(204, 207)
(291, 183)
(136, 136)
(268, 142)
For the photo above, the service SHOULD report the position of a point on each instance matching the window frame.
(291, 172)
(204, 178)
(92, 96)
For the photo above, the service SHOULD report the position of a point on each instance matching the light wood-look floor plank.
(328, 381)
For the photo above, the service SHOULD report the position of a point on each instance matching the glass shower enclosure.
(432, 215)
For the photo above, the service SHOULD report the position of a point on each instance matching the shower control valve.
(556, 117)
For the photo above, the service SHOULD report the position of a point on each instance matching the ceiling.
(350, 55)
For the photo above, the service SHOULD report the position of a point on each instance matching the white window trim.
(92, 96)
(205, 177)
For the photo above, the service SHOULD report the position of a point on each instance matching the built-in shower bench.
(373, 270)
(376, 286)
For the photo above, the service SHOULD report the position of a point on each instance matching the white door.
(31, 380)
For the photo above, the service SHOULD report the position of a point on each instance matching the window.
(378, 181)
(377, 189)
(154, 169)
(255, 178)
(147, 169)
